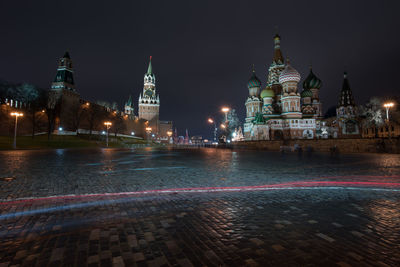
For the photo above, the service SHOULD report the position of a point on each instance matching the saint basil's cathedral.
(280, 111)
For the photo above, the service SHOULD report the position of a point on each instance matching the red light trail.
(280, 186)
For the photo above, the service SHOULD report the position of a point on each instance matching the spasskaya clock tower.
(149, 102)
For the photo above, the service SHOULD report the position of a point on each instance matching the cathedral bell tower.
(149, 102)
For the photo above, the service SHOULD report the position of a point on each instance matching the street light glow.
(16, 114)
(223, 126)
(148, 129)
(108, 125)
(388, 105)
(225, 109)
(210, 120)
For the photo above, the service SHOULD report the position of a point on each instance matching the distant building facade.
(347, 113)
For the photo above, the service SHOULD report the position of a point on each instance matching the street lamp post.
(108, 125)
(16, 114)
(215, 128)
(148, 131)
(225, 110)
(169, 133)
(387, 107)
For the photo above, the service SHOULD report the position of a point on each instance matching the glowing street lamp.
(387, 107)
(169, 133)
(148, 131)
(210, 120)
(225, 110)
(223, 126)
(108, 125)
(16, 114)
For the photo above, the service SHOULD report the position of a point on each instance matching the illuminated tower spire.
(149, 101)
(278, 58)
(150, 68)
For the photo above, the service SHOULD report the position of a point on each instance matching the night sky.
(202, 50)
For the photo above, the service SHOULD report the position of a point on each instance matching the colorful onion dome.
(312, 81)
(289, 74)
(306, 93)
(267, 92)
(253, 81)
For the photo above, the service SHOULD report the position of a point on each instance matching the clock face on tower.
(149, 93)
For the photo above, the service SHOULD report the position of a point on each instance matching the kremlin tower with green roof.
(65, 75)
(149, 101)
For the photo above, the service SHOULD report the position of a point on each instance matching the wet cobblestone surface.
(46, 173)
(270, 228)
(332, 226)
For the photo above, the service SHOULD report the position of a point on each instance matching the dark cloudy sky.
(202, 50)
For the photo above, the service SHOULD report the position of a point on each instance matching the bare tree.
(118, 124)
(77, 112)
(373, 114)
(52, 110)
(36, 106)
(96, 114)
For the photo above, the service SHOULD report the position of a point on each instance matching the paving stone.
(257, 241)
(325, 237)
(337, 224)
(355, 256)
(185, 263)
(57, 254)
(118, 262)
(138, 256)
(343, 264)
(278, 248)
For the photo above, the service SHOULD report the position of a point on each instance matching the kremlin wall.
(64, 112)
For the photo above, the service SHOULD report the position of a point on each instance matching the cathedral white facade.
(280, 111)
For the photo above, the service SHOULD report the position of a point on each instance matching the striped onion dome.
(306, 93)
(253, 81)
(312, 81)
(289, 74)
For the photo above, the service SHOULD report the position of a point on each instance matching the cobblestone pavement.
(55, 172)
(327, 225)
(300, 227)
